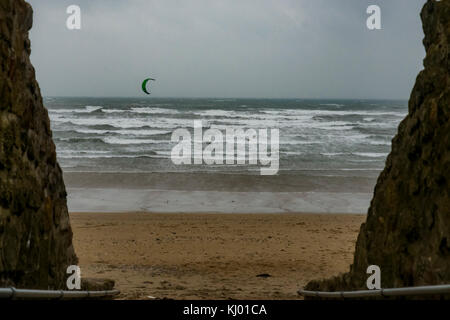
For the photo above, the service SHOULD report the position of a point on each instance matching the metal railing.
(407, 291)
(13, 293)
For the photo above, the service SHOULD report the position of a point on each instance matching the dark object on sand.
(263, 275)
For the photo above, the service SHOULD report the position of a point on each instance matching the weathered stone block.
(35, 234)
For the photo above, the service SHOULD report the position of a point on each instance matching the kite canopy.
(144, 85)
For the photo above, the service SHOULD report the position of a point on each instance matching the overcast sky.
(228, 48)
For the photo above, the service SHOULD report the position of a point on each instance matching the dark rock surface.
(35, 233)
(407, 231)
(97, 284)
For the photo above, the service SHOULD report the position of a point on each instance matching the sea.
(134, 134)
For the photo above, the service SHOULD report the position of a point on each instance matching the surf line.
(227, 148)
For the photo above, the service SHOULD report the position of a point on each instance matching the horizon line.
(225, 98)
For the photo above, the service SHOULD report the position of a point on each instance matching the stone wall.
(407, 231)
(35, 233)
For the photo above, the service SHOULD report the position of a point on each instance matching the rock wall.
(35, 233)
(407, 231)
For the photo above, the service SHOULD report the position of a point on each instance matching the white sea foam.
(114, 110)
(300, 142)
(370, 154)
(334, 112)
(66, 110)
(142, 132)
(380, 143)
(115, 140)
(92, 131)
(360, 154)
(115, 122)
(152, 110)
(86, 109)
(92, 108)
(341, 136)
(104, 156)
(332, 154)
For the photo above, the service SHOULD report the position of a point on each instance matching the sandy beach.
(214, 256)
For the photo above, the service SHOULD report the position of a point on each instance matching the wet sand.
(213, 256)
(335, 192)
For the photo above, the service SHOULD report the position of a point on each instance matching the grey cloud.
(306, 49)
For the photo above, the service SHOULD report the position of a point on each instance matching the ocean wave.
(329, 135)
(115, 123)
(232, 120)
(332, 105)
(370, 154)
(110, 156)
(300, 142)
(360, 154)
(124, 123)
(86, 109)
(124, 132)
(114, 110)
(292, 153)
(143, 132)
(80, 152)
(333, 154)
(92, 131)
(217, 113)
(77, 140)
(313, 112)
(380, 143)
(115, 140)
(153, 110)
